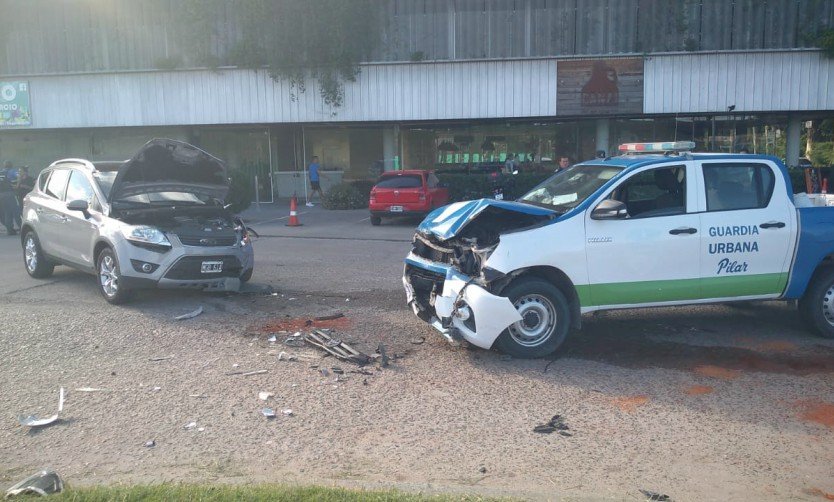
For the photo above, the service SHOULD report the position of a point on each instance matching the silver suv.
(156, 220)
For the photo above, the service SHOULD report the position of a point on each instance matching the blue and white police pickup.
(657, 229)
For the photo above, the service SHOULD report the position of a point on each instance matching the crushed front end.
(447, 279)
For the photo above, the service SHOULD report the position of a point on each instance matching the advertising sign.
(14, 104)
(600, 87)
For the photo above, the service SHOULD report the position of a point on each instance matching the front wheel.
(109, 278)
(545, 319)
(817, 305)
(36, 263)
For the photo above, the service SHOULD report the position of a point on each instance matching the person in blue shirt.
(313, 169)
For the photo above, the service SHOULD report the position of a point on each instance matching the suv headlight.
(147, 237)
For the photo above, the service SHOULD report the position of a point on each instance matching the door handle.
(772, 224)
(683, 230)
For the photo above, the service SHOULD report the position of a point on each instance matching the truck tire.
(817, 304)
(545, 319)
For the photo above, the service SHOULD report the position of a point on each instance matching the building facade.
(453, 82)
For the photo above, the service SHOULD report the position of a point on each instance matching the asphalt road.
(706, 403)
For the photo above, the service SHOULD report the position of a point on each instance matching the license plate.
(211, 267)
(396, 209)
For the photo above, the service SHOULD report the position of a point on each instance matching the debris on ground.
(287, 412)
(333, 317)
(294, 340)
(33, 421)
(362, 371)
(247, 373)
(337, 370)
(283, 356)
(272, 339)
(336, 348)
(300, 323)
(263, 396)
(150, 444)
(189, 425)
(268, 412)
(88, 389)
(482, 470)
(42, 483)
(557, 423)
(190, 314)
(418, 340)
(383, 356)
(650, 495)
(163, 358)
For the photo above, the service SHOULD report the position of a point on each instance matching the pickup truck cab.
(672, 228)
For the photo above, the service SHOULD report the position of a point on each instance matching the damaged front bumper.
(455, 304)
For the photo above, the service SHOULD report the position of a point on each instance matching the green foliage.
(345, 196)
(825, 41)
(255, 493)
(477, 186)
(241, 191)
(295, 39)
(823, 154)
(363, 186)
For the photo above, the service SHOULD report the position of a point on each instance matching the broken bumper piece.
(462, 309)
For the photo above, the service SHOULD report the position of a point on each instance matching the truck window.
(656, 192)
(737, 186)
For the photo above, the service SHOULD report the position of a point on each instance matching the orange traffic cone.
(294, 212)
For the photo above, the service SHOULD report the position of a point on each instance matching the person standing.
(315, 185)
(9, 207)
(509, 165)
(23, 185)
(564, 163)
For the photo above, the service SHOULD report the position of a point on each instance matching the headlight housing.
(147, 237)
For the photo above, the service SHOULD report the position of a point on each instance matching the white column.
(603, 127)
(792, 141)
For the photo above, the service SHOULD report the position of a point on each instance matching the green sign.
(14, 104)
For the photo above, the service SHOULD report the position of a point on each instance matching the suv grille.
(207, 241)
(188, 268)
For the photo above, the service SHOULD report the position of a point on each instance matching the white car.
(156, 220)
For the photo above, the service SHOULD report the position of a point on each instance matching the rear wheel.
(545, 319)
(376, 220)
(109, 278)
(817, 305)
(36, 263)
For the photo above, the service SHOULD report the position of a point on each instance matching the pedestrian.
(314, 180)
(9, 207)
(509, 165)
(564, 163)
(24, 184)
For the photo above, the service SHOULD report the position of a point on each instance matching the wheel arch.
(101, 245)
(26, 228)
(554, 276)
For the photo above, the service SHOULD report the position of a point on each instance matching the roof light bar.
(665, 146)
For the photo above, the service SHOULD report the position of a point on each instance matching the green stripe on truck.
(626, 293)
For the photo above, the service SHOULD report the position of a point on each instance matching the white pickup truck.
(673, 228)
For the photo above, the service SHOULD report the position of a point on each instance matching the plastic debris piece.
(263, 396)
(650, 495)
(33, 421)
(190, 315)
(150, 444)
(325, 372)
(156, 389)
(418, 340)
(189, 425)
(201, 429)
(88, 389)
(164, 358)
(272, 339)
(557, 423)
(337, 370)
(338, 315)
(288, 357)
(287, 412)
(42, 483)
(200, 396)
(347, 299)
(268, 412)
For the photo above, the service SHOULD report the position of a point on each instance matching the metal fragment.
(33, 421)
(42, 483)
(318, 338)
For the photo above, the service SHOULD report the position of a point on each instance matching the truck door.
(652, 255)
(747, 229)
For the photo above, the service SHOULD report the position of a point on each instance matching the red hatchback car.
(406, 193)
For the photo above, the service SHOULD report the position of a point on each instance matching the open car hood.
(448, 221)
(167, 165)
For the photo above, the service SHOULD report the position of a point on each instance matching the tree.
(293, 39)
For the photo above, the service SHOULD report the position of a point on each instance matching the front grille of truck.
(422, 250)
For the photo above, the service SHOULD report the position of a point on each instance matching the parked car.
(622, 232)
(156, 220)
(406, 193)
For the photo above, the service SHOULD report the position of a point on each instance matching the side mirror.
(609, 209)
(79, 205)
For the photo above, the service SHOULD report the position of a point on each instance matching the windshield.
(400, 181)
(569, 188)
(105, 181)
